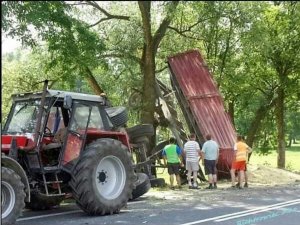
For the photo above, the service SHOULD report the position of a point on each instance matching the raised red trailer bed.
(202, 104)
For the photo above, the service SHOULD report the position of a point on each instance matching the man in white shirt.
(192, 153)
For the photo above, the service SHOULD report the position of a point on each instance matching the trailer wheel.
(142, 185)
(140, 131)
(12, 196)
(158, 182)
(103, 179)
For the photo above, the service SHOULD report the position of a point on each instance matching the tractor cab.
(66, 118)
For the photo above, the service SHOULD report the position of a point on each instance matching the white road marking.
(66, 213)
(49, 215)
(246, 212)
(263, 210)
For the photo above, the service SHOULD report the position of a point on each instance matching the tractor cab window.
(23, 117)
(81, 115)
(55, 120)
(96, 120)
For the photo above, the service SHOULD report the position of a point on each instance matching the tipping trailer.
(202, 104)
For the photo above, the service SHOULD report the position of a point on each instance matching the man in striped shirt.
(192, 153)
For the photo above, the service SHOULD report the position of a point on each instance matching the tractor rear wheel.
(12, 196)
(103, 179)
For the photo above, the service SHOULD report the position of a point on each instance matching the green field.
(292, 158)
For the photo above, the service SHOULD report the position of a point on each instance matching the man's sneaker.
(172, 188)
(209, 187)
(245, 185)
(190, 187)
(237, 185)
(215, 186)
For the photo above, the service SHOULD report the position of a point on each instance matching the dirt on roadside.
(262, 180)
(263, 175)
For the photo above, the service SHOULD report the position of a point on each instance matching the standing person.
(173, 160)
(241, 151)
(210, 150)
(192, 153)
(246, 173)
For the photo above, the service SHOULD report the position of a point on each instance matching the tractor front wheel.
(103, 179)
(12, 196)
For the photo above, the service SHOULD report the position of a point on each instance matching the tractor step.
(54, 195)
(51, 169)
(54, 182)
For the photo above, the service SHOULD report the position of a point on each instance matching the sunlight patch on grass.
(292, 158)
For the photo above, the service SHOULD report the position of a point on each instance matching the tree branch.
(159, 34)
(189, 29)
(80, 3)
(99, 21)
(107, 14)
(184, 35)
(119, 55)
(162, 69)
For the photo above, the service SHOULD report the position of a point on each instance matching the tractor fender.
(15, 166)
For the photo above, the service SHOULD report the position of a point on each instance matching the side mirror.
(67, 102)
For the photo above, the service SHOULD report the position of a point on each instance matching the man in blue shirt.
(210, 150)
(172, 159)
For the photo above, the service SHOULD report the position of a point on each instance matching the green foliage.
(23, 71)
(72, 46)
(246, 45)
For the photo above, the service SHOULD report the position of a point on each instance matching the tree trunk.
(149, 93)
(151, 43)
(92, 81)
(231, 111)
(260, 114)
(280, 127)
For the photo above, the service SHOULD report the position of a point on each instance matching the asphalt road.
(256, 205)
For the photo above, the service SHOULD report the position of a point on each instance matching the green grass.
(292, 158)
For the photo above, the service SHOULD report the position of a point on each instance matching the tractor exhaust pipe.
(37, 132)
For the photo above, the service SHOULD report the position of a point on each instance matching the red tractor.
(57, 144)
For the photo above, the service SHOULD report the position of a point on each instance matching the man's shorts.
(210, 166)
(245, 168)
(240, 165)
(192, 166)
(173, 168)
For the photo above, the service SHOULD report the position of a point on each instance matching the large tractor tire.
(12, 196)
(158, 182)
(140, 131)
(118, 115)
(103, 179)
(142, 186)
(39, 201)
